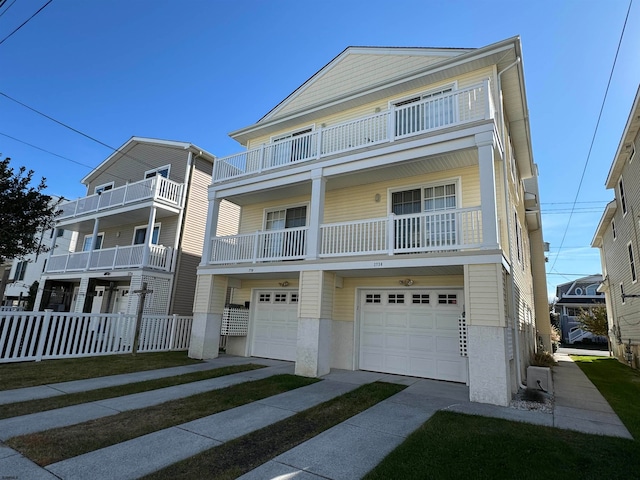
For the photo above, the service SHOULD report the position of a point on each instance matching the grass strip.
(30, 374)
(619, 384)
(234, 458)
(51, 403)
(458, 446)
(58, 444)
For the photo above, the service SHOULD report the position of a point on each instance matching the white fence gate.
(47, 335)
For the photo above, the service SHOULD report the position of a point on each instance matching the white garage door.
(275, 324)
(413, 332)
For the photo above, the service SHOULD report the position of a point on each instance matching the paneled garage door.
(413, 332)
(275, 324)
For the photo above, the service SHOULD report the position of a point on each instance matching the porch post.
(316, 216)
(313, 351)
(52, 247)
(211, 227)
(148, 238)
(488, 203)
(94, 241)
(208, 308)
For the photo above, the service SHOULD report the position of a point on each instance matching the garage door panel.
(396, 320)
(422, 320)
(423, 343)
(395, 341)
(419, 339)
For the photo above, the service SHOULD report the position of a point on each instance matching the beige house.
(141, 221)
(389, 221)
(618, 239)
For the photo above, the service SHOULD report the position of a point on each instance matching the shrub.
(542, 359)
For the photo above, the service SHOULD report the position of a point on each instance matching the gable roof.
(132, 142)
(357, 68)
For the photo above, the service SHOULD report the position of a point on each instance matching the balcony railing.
(155, 188)
(418, 233)
(457, 107)
(131, 256)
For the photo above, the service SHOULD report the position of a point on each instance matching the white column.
(148, 238)
(213, 212)
(94, 240)
(316, 215)
(313, 351)
(208, 307)
(52, 246)
(488, 203)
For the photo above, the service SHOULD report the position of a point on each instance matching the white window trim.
(456, 180)
(84, 241)
(284, 207)
(108, 184)
(632, 261)
(622, 292)
(140, 227)
(452, 85)
(623, 196)
(613, 230)
(167, 167)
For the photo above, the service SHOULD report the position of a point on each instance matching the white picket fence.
(47, 335)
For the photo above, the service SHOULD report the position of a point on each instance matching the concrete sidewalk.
(348, 450)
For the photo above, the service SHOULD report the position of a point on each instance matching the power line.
(25, 22)
(593, 138)
(48, 151)
(6, 9)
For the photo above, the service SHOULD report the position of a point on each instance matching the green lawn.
(29, 374)
(51, 403)
(59, 444)
(451, 445)
(234, 458)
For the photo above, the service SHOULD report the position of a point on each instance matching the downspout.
(516, 339)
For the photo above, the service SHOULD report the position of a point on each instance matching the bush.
(542, 359)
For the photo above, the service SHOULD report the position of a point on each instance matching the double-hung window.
(160, 171)
(88, 239)
(140, 234)
(21, 270)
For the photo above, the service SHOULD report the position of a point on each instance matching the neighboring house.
(389, 221)
(141, 221)
(618, 239)
(25, 271)
(572, 298)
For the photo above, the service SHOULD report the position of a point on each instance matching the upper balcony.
(400, 121)
(156, 188)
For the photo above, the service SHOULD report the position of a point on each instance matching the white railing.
(130, 256)
(457, 107)
(287, 244)
(47, 335)
(418, 233)
(156, 188)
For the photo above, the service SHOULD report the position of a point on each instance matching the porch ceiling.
(137, 217)
(392, 171)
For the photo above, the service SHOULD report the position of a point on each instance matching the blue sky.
(195, 70)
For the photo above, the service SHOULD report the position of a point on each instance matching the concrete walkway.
(348, 450)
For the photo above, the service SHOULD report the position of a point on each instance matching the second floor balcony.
(447, 230)
(151, 189)
(457, 107)
(157, 257)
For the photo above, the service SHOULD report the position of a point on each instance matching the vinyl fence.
(48, 335)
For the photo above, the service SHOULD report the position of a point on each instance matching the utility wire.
(593, 138)
(25, 22)
(48, 151)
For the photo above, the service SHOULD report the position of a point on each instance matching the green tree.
(594, 320)
(25, 212)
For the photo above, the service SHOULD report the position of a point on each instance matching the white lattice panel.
(157, 303)
(462, 335)
(235, 322)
